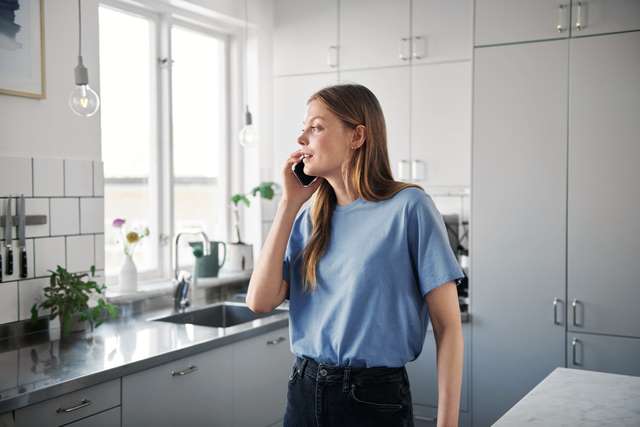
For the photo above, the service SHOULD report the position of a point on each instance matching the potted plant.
(239, 254)
(67, 296)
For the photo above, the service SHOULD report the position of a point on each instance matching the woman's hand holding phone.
(294, 192)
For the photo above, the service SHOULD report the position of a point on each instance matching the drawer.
(108, 418)
(71, 406)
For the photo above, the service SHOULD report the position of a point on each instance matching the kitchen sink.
(220, 315)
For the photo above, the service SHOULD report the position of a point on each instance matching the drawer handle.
(190, 369)
(420, 418)
(84, 402)
(276, 341)
(573, 349)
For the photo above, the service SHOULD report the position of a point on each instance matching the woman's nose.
(302, 140)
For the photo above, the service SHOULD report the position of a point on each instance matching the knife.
(22, 243)
(8, 223)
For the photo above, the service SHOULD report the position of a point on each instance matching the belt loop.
(346, 379)
(304, 364)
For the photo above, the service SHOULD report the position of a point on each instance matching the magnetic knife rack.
(30, 220)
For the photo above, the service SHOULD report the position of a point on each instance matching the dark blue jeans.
(323, 395)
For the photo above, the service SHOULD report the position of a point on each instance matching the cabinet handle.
(84, 402)
(429, 419)
(190, 369)
(573, 305)
(418, 42)
(404, 48)
(276, 341)
(555, 311)
(561, 19)
(573, 350)
(332, 56)
(579, 24)
(417, 170)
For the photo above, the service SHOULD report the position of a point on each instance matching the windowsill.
(154, 288)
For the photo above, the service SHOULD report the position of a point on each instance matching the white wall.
(48, 128)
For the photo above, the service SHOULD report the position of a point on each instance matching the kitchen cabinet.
(374, 33)
(261, 366)
(290, 108)
(604, 197)
(195, 390)
(70, 407)
(441, 124)
(508, 21)
(426, 416)
(518, 212)
(604, 353)
(305, 36)
(423, 373)
(396, 106)
(441, 30)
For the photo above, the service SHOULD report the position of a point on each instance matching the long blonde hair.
(368, 171)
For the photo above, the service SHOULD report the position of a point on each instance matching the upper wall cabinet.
(509, 21)
(441, 30)
(305, 36)
(374, 33)
(590, 17)
(506, 21)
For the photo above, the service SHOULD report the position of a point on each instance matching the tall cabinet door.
(604, 195)
(506, 21)
(441, 30)
(374, 33)
(394, 100)
(305, 36)
(518, 216)
(441, 124)
(290, 95)
(589, 17)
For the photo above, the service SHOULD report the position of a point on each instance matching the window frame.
(161, 179)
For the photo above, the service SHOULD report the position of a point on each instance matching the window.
(164, 133)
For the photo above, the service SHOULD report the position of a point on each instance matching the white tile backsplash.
(78, 178)
(15, 176)
(48, 177)
(37, 207)
(98, 178)
(8, 302)
(80, 253)
(99, 249)
(65, 216)
(70, 194)
(50, 253)
(91, 215)
(30, 292)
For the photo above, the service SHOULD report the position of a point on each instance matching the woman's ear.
(359, 136)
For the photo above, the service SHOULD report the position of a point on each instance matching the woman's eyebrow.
(314, 117)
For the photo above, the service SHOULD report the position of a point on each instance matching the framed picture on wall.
(22, 48)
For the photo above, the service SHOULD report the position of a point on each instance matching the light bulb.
(248, 136)
(84, 101)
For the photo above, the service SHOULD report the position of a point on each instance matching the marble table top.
(575, 397)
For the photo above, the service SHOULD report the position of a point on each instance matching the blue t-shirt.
(369, 308)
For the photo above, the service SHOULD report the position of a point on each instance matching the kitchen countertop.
(38, 366)
(574, 397)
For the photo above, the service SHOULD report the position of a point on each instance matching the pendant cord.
(79, 29)
(246, 53)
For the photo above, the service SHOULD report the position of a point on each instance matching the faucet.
(183, 278)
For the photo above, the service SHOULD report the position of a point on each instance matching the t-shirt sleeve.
(431, 254)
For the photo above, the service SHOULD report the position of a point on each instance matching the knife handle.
(9, 264)
(23, 263)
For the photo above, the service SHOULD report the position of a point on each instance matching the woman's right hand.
(294, 192)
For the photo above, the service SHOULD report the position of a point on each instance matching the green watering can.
(209, 265)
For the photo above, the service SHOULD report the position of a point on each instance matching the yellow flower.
(132, 237)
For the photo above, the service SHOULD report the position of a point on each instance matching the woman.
(364, 267)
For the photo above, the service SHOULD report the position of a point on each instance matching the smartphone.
(298, 171)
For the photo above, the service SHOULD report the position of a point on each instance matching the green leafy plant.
(68, 294)
(266, 190)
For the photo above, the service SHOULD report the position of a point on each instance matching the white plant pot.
(128, 278)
